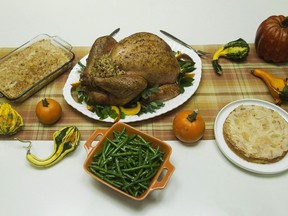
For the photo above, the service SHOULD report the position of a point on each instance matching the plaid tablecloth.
(212, 95)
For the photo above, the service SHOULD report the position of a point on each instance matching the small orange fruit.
(188, 126)
(48, 111)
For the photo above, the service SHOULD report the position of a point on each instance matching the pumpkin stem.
(284, 23)
(192, 116)
(45, 102)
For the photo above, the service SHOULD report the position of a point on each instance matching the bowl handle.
(169, 169)
(88, 145)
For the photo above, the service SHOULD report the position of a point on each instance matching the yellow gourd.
(10, 120)
(66, 140)
(278, 87)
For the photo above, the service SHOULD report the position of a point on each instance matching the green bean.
(140, 167)
(95, 168)
(128, 162)
(123, 154)
(122, 143)
(111, 142)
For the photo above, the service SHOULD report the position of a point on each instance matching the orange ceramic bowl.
(163, 174)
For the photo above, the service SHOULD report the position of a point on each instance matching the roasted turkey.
(118, 72)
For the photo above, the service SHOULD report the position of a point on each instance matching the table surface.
(205, 182)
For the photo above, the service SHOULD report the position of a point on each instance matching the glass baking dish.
(33, 65)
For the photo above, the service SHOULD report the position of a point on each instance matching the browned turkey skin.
(117, 72)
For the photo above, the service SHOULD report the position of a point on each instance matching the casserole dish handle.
(89, 145)
(164, 176)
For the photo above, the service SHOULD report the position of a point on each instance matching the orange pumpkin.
(48, 111)
(188, 126)
(271, 41)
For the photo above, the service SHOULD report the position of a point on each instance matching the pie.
(257, 134)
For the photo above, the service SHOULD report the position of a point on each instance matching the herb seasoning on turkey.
(106, 67)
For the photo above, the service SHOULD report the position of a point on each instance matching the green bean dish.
(127, 162)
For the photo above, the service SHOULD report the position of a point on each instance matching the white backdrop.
(81, 22)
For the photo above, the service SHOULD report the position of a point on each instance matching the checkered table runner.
(212, 95)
